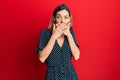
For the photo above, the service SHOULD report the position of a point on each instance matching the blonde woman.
(58, 45)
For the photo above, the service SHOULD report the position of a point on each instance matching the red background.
(97, 29)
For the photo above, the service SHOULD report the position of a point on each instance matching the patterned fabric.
(59, 61)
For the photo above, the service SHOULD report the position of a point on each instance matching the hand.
(66, 31)
(58, 30)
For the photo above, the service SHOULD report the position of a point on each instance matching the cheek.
(66, 21)
(58, 21)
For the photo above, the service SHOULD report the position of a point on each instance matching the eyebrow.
(60, 15)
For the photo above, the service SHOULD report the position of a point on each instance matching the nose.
(62, 20)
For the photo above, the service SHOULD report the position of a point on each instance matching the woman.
(57, 45)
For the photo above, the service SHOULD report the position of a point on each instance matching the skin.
(61, 28)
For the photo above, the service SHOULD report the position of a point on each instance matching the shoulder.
(46, 33)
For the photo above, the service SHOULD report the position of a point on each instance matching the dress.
(59, 66)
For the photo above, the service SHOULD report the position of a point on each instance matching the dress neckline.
(62, 44)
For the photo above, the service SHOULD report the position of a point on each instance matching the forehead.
(63, 13)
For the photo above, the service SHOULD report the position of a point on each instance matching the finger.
(62, 26)
(69, 24)
(65, 26)
(56, 25)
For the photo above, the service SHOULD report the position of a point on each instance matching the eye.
(67, 17)
(58, 17)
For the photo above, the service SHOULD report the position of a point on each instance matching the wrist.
(69, 34)
(53, 37)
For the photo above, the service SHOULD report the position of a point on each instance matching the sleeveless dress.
(59, 66)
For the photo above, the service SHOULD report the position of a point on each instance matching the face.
(62, 17)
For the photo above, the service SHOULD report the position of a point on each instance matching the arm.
(43, 54)
(74, 49)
